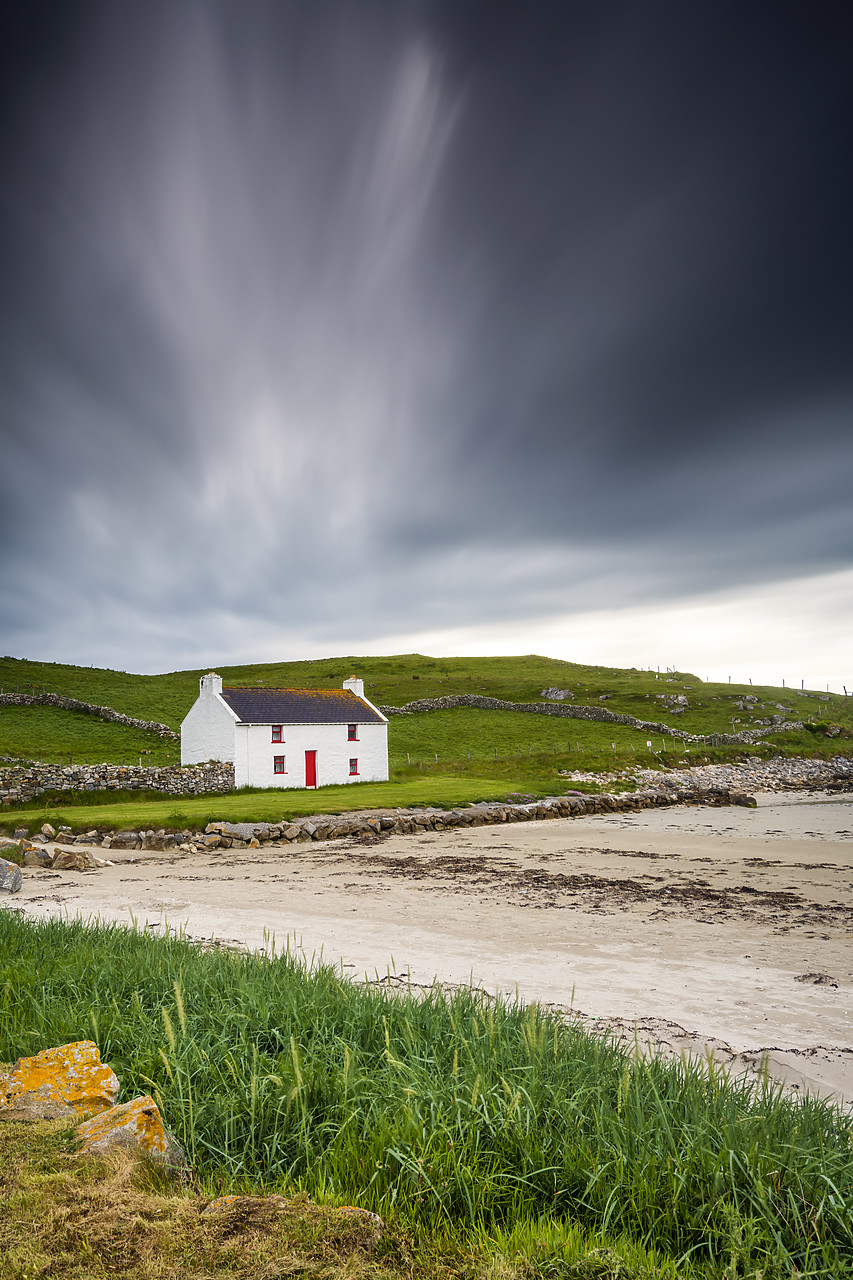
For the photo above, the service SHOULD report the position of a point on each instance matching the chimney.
(356, 685)
(211, 683)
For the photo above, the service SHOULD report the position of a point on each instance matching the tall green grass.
(452, 1112)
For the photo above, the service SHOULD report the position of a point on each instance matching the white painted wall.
(207, 730)
(254, 751)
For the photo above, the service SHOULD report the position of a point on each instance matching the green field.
(441, 757)
(458, 1116)
(55, 735)
(397, 680)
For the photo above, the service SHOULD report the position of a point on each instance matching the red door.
(310, 768)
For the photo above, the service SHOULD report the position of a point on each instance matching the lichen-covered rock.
(135, 1126)
(67, 1080)
(36, 855)
(10, 876)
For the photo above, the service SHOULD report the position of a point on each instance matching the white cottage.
(288, 737)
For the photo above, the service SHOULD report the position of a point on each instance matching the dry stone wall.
(600, 714)
(372, 825)
(87, 708)
(21, 783)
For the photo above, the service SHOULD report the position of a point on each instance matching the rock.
(292, 832)
(211, 841)
(158, 843)
(37, 856)
(20, 833)
(72, 860)
(67, 1080)
(254, 843)
(126, 840)
(135, 1126)
(556, 695)
(10, 876)
(49, 831)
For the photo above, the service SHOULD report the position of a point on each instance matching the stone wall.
(600, 714)
(371, 825)
(87, 708)
(24, 782)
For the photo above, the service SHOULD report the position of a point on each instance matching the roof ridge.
(269, 688)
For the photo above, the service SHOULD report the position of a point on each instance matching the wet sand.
(701, 930)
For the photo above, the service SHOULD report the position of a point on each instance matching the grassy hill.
(457, 751)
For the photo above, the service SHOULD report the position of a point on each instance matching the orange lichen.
(136, 1125)
(70, 1076)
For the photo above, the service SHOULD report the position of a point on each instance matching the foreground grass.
(482, 1125)
(64, 1215)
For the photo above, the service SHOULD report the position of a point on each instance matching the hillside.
(454, 736)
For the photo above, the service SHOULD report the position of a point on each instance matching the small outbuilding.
(287, 737)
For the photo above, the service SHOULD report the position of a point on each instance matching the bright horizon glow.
(793, 631)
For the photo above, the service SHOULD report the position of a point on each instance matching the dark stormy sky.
(372, 325)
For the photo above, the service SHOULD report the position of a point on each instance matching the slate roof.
(300, 706)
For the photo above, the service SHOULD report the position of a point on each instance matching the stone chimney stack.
(211, 683)
(356, 685)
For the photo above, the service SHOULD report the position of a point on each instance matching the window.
(353, 766)
(278, 764)
(352, 732)
(278, 733)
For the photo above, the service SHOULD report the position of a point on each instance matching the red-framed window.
(278, 733)
(353, 766)
(278, 764)
(352, 732)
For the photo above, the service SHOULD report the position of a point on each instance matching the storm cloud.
(325, 324)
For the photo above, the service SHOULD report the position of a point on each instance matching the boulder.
(10, 876)
(158, 842)
(49, 831)
(67, 1080)
(211, 841)
(126, 840)
(72, 860)
(36, 855)
(135, 1126)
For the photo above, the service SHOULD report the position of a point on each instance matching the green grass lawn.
(252, 806)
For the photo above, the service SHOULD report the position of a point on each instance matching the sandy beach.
(694, 930)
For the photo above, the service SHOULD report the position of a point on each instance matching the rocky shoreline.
(709, 785)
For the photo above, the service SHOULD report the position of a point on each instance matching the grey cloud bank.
(326, 324)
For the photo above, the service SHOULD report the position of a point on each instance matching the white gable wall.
(207, 731)
(254, 752)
